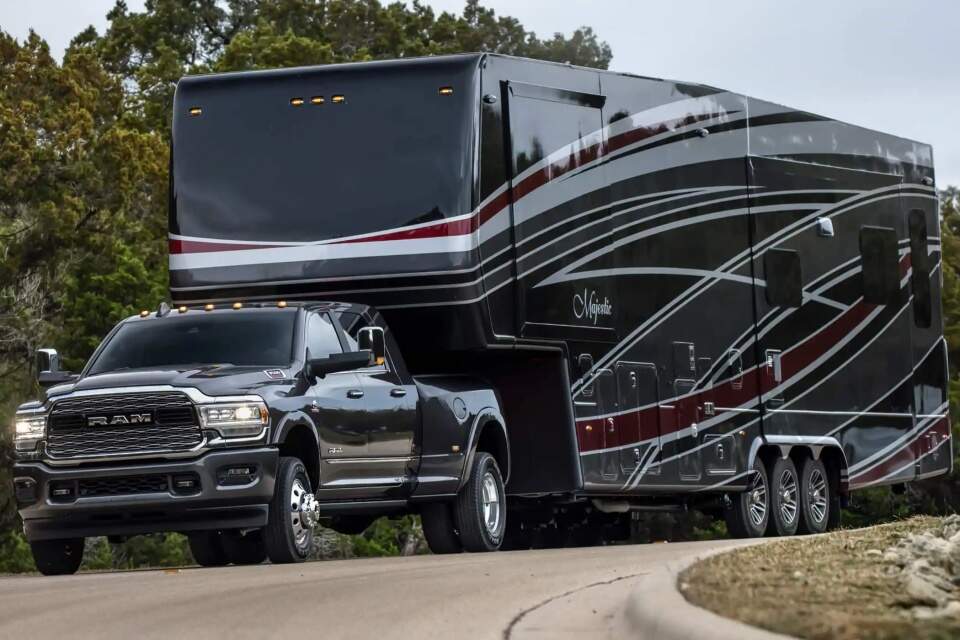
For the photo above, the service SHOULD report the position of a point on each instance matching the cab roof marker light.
(237, 305)
(446, 91)
(316, 100)
(144, 313)
(208, 307)
(195, 111)
(282, 304)
(338, 99)
(296, 102)
(182, 309)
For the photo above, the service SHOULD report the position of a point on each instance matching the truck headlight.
(235, 419)
(28, 431)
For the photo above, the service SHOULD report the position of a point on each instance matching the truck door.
(830, 260)
(558, 213)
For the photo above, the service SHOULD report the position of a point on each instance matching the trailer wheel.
(784, 498)
(819, 507)
(748, 513)
(480, 507)
(207, 549)
(288, 536)
(439, 528)
(244, 549)
(57, 557)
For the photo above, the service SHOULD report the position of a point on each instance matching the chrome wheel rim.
(491, 504)
(817, 496)
(787, 492)
(301, 531)
(757, 500)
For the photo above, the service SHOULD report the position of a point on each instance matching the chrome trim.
(195, 395)
(374, 460)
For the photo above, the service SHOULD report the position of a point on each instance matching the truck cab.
(244, 426)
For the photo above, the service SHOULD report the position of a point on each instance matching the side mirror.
(320, 367)
(49, 372)
(371, 339)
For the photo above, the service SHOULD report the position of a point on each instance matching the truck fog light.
(62, 491)
(186, 484)
(237, 475)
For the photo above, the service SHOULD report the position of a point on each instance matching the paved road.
(568, 593)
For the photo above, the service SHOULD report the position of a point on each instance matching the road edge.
(656, 608)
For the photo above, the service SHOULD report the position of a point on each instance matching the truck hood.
(213, 380)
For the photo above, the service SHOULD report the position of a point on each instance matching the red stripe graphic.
(905, 455)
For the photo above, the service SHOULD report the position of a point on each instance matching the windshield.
(242, 338)
(391, 151)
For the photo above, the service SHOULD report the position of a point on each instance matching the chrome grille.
(173, 425)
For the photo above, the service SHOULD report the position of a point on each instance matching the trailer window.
(784, 277)
(322, 337)
(920, 263)
(880, 265)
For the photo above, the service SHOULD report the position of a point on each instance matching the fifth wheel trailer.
(679, 293)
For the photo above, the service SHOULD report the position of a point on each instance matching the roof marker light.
(237, 305)
(208, 307)
(338, 99)
(296, 102)
(182, 309)
(282, 304)
(446, 91)
(316, 100)
(195, 111)
(144, 313)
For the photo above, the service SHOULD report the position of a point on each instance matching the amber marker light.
(446, 91)
(338, 99)
(282, 304)
(316, 100)
(182, 309)
(208, 307)
(144, 313)
(237, 305)
(195, 111)
(296, 102)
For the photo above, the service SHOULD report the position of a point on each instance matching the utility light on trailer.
(195, 111)
(446, 91)
(338, 99)
(316, 100)
(296, 102)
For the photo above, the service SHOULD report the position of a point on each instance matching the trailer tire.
(819, 506)
(244, 549)
(57, 557)
(784, 498)
(207, 549)
(743, 515)
(287, 536)
(439, 528)
(480, 508)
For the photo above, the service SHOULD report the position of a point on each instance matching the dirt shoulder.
(847, 584)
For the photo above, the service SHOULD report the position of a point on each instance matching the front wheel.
(288, 536)
(57, 557)
(480, 507)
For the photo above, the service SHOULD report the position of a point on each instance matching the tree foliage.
(84, 158)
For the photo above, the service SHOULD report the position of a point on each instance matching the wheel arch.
(298, 439)
(825, 448)
(489, 434)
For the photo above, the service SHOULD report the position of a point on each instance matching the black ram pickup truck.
(244, 426)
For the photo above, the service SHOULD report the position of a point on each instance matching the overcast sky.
(889, 65)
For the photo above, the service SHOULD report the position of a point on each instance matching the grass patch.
(830, 586)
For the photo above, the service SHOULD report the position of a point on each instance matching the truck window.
(784, 277)
(322, 337)
(920, 263)
(880, 265)
(351, 323)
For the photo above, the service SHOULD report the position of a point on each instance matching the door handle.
(355, 393)
(398, 393)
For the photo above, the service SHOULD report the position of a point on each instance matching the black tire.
(741, 520)
(481, 524)
(244, 549)
(819, 503)
(439, 528)
(57, 557)
(784, 498)
(207, 549)
(518, 536)
(281, 539)
(351, 525)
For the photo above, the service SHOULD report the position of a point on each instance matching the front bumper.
(126, 500)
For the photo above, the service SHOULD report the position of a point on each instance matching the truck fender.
(819, 446)
(487, 418)
(289, 422)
